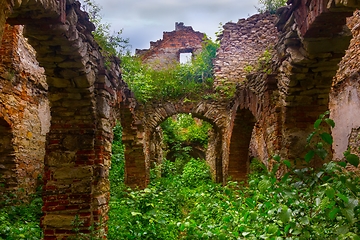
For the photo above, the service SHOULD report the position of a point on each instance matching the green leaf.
(322, 153)
(330, 192)
(277, 158)
(327, 138)
(285, 214)
(317, 124)
(353, 159)
(311, 135)
(347, 152)
(332, 214)
(351, 185)
(330, 122)
(343, 197)
(285, 177)
(342, 230)
(135, 213)
(304, 220)
(287, 163)
(264, 185)
(349, 214)
(250, 202)
(342, 164)
(287, 227)
(309, 156)
(272, 229)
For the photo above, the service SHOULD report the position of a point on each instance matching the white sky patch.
(143, 21)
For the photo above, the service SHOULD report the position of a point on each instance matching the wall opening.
(186, 57)
(8, 179)
(239, 158)
(179, 139)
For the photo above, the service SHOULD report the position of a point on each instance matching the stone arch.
(8, 179)
(141, 123)
(313, 40)
(82, 93)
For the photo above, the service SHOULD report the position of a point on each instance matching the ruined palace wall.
(241, 45)
(345, 96)
(25, 109)
(166, 51)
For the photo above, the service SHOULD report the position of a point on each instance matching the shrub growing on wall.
(271, 5)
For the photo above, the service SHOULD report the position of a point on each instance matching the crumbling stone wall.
(167, 50)
(345, 96)
(241, 46)
(254, 113)
(24, 113)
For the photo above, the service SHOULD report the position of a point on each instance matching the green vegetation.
(263, 64)
(304, 203)
(183, 132)
(112, 44)
(20, 220)
(191, 80)
(271, 5)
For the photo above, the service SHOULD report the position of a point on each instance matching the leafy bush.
(271, 5)
(196, 172)
(21, 221)
(181, 133)
(112, 44)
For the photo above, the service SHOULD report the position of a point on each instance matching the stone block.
(73, 173)
(58, 220)
(60, 159)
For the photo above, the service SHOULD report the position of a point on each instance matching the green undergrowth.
(302, 203)
(20, 220)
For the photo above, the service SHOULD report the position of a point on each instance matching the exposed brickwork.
(24, 113)
(345, 95)
(82, 96)
(167, 50)
(307, 64)
(241, 45)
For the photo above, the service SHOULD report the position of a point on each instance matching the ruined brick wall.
(24, 113)
(166, 51)
(345, 95)
(241, 45)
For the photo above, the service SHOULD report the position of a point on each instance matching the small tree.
(271, 5)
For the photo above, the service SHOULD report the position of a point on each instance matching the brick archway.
(139, 124)
(313, 40)
(82, 94)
